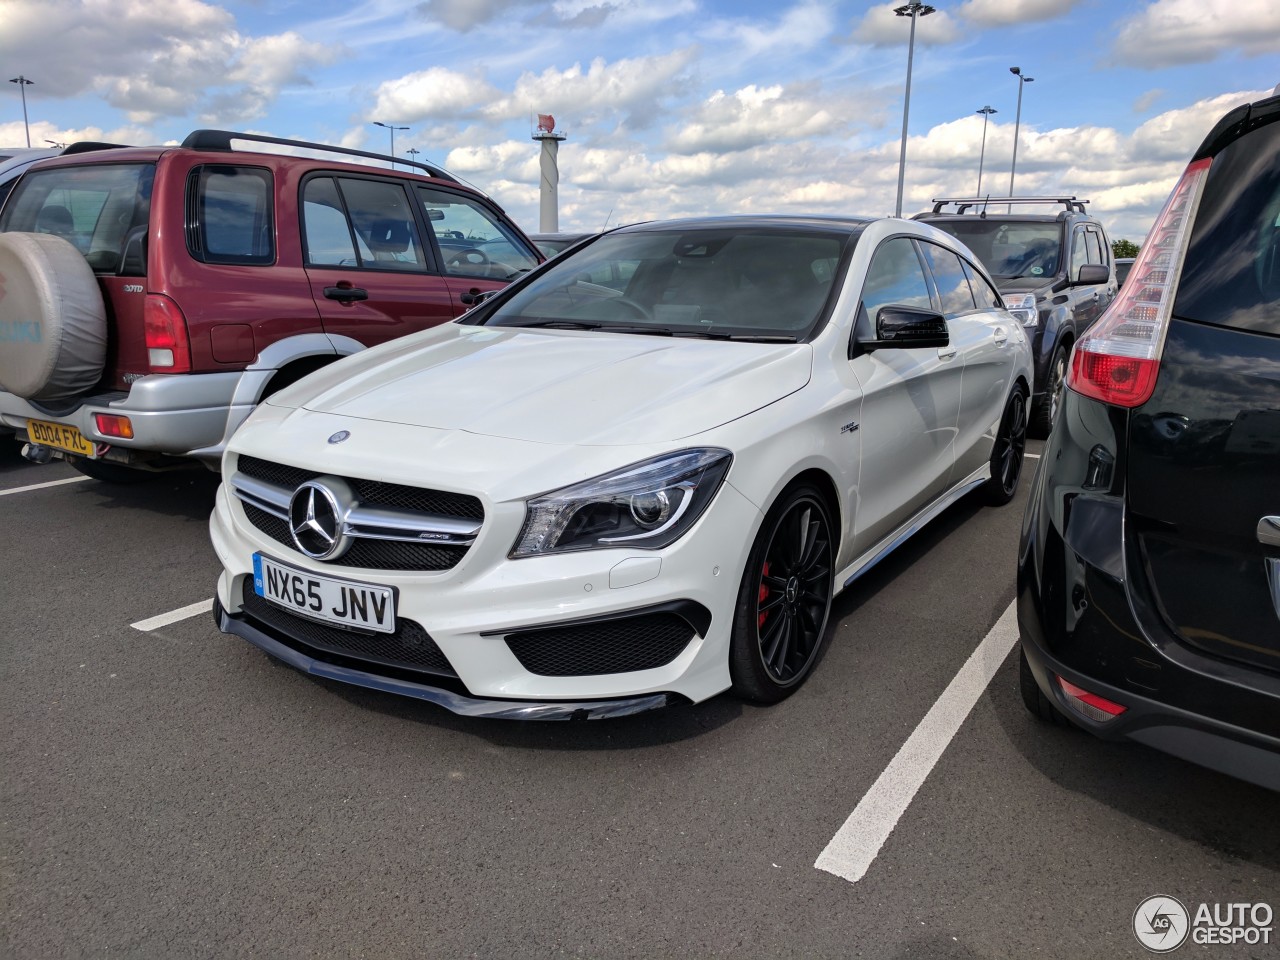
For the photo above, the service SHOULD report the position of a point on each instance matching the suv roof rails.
(88, 146)
(221, 140)
(1072, 204)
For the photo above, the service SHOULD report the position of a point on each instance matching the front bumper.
(183, 415)
(450, 700)
(474, 611)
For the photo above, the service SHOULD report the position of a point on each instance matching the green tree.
(1124, 248)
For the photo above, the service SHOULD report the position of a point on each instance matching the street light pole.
(413, 153)
(986, 114)
(1017, 123)
(392, 130)
(23, 83)
(913, 9)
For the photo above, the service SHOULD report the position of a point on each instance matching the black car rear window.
(1231, 276)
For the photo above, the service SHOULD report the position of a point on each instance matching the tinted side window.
(1097, 252)
(1079, 252)
(948, 274)
(231, 219)
(1231, 275)
(895, 276)
(987, 297)
(473, 241)
(383, 224)
(326, 234)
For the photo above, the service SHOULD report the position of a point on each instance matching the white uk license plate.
(349, 603)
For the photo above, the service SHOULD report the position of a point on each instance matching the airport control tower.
(549, 196)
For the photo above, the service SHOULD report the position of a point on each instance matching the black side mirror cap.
(1091, 273)
(907, 328)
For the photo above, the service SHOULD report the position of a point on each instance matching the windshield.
(750, 284)
(1009, 249)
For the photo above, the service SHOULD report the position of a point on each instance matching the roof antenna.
(983, 214)
(606, 220)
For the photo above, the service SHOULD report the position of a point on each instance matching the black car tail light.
(1118, 360)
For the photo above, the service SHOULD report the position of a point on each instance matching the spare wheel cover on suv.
(53, 326)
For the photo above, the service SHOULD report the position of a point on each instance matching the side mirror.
(434, 214)
(1091, 273)
(907, 328)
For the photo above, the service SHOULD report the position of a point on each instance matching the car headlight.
(645, 506)
(1023, 308)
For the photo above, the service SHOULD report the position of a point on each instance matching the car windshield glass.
(1009, 249)
(769, 284)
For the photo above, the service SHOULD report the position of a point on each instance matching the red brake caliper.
(764, 595)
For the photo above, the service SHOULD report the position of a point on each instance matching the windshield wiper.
(555, 324)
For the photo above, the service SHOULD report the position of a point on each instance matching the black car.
(1149, 567)
(1053, 270)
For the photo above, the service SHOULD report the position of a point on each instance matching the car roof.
(822, 222)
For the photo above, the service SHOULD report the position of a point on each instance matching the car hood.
(559, 387)
(1039, 285)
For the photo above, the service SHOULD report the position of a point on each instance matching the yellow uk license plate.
(60, 436)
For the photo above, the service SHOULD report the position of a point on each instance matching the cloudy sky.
(672, 107)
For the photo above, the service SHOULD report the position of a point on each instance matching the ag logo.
(1161, 923)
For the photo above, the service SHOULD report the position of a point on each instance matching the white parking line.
(173, 616)
(1032, 456)
(856, 844)
(41, 486)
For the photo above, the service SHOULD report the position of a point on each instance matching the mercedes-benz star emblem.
(315, 521)
(340, 436)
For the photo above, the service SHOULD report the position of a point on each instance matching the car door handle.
(946, 353)
(476, 295)
(1002, 336)
(346, 294)
(1269, 531)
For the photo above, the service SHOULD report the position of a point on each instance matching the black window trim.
(195, 229)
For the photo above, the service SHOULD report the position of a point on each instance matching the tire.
(780, 619)
(52, 320)
(1040, 706)
(1056, 374)
(116, 473)
(1006, 454)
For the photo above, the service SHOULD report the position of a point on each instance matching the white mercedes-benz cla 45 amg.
(636, 476)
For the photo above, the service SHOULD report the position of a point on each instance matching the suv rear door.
(372, 275)
(1204, 460)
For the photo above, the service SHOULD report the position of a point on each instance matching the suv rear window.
(94, 206)
(1231, 276)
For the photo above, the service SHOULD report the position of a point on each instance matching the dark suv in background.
(1053, 270)
(1149, 568)
(152, 296)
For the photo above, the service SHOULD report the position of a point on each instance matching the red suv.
(151, 297)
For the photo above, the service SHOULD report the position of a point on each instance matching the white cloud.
(1005, 13)
(799, 28)
(755, 115)
(1176, 32)
(437, 93)
(1148, 100)
(183, 56)
(465, 15)
(881, 27)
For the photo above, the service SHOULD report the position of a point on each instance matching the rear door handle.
(1002, 336)
(1269, 531)
(946, 353)
(346, 294)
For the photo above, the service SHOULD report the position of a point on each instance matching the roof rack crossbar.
(1073, 204)
(221, 140)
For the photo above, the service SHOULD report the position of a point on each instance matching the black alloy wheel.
(1007, 452)
(781, 616)
(1051, 402)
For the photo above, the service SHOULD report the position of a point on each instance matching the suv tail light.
(165, 329)
(1118, 359)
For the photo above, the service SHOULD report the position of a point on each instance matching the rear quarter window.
(230, 215)
(1231, 275)
(94, 207)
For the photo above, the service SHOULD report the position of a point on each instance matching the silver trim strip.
(861, 566)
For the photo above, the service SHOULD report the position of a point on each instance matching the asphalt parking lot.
(172, 792)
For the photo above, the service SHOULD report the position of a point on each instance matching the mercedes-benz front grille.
(383, 526)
